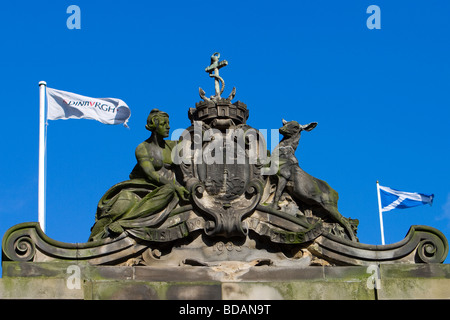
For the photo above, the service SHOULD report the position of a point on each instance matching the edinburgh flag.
(67, 105)
(394, 199)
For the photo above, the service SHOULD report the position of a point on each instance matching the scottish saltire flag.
(394, 199)
(67, 105)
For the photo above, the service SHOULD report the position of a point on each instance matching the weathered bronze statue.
(152, 191)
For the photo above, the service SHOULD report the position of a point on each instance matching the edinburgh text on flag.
(67, 105)
(394, 199)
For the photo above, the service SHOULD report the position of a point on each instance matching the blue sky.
(380, 96)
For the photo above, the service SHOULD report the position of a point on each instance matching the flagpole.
(380, 211)
(42, 147)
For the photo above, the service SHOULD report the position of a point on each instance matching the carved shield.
(226, 184)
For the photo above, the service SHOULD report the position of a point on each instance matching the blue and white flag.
(394, 199)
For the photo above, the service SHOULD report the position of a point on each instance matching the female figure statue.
(152, 191)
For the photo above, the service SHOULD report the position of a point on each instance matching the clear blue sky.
(381, 97)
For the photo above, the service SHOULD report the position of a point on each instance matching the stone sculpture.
(215, 196)
(213, 70)
(152, 191)
(305, 188)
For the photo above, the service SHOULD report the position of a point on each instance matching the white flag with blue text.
(67, 105)
(394, 199)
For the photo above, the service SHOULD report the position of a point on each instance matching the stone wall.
(50, 280)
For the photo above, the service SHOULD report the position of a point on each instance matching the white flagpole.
(380, 211)
(42, 150)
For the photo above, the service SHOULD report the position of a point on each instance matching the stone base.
(65, 280)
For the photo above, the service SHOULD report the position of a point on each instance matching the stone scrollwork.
(432, 247)
(27, 242)
(228, 215)
(24, 248)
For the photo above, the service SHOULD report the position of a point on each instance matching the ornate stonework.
(216, 197)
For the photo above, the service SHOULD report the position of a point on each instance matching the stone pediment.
(27, 242)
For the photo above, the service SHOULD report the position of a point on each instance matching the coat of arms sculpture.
(215, 196)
